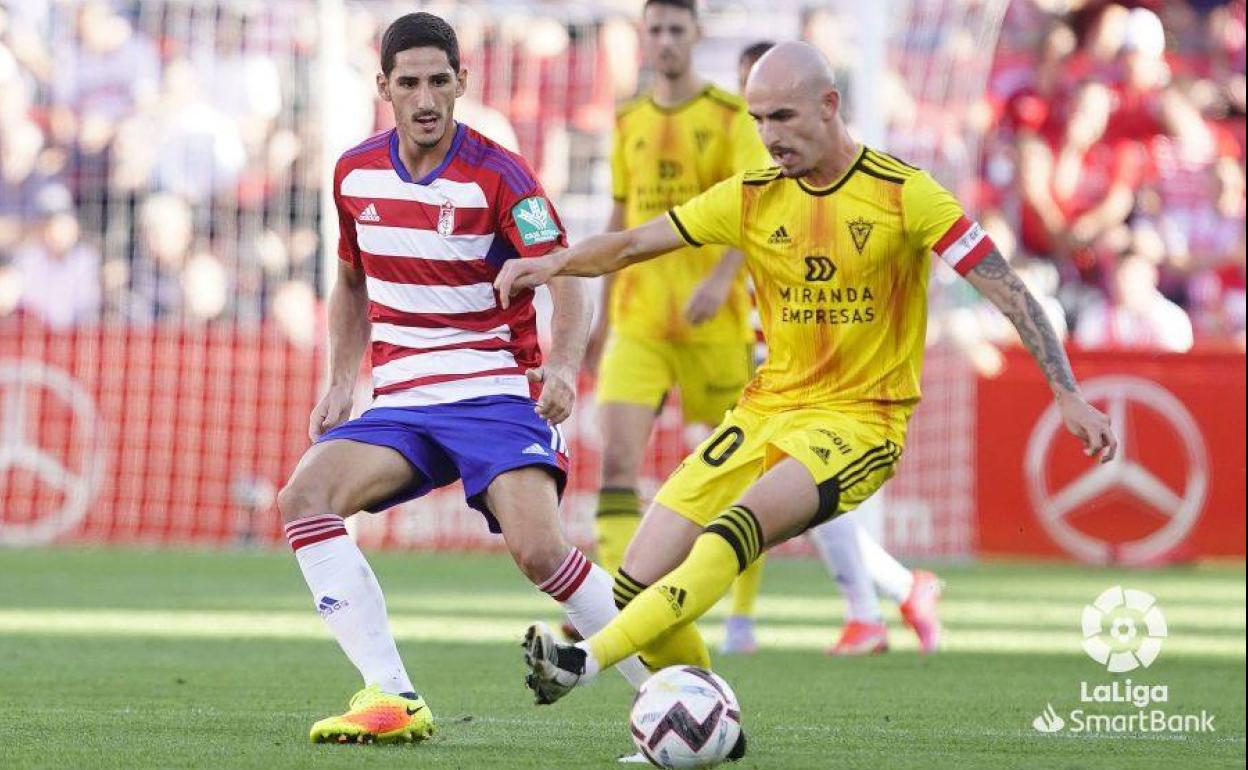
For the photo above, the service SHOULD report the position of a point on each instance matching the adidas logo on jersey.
(369, 214)
(535, 449)
(780, 237)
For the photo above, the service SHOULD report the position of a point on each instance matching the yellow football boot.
(376, 716)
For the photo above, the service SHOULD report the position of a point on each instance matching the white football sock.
(892, 577)
(585, 591)
(837, 543)
(349, 598)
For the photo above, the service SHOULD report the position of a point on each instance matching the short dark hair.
(755, 52)
(685, 5)
(418, 30)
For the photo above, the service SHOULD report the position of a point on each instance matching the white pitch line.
(1002, 613)
(445, 628)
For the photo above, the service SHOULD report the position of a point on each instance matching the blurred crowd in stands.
(150, 166)
(1113, 167)
(161, 161)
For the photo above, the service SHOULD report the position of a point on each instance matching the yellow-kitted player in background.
(680, 322)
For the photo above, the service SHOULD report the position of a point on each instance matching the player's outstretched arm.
(348, 338)
(596, 255)
(994, 278)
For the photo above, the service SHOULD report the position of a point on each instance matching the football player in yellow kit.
(679, 322)
(863, 570)
(838, 239)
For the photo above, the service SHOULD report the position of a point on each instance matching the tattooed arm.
(993, 278)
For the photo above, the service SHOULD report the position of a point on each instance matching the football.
(685, 716)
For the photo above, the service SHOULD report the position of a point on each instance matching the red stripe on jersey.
(434, 379)
(477, 321)
(428, 272)
(975, 256)
(955, 231)
(422, 216)
(385, 352)
(518, 318)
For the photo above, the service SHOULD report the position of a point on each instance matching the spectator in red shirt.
(1075, 187)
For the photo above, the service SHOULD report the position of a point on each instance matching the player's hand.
(558, 392)
(706, 300)
(1089, 425)
(520, 274)
(334, 408)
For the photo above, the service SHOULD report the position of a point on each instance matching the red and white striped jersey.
(430, 249)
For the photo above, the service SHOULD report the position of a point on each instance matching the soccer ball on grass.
(685, 716)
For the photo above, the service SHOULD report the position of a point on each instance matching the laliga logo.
(1123, 629)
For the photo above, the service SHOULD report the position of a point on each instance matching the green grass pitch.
(128, 659)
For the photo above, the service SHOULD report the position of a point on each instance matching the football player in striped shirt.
(844, 309)
(428, 213)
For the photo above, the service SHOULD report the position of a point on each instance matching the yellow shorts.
(710, 377)
(850, 459)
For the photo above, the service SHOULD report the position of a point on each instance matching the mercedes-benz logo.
(1179, 508)
(25, 386)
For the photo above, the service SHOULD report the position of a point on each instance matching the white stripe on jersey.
(385, 183)
(422, 244)
(456, 390)
(421, 337)
(412, 298)
(445, 362)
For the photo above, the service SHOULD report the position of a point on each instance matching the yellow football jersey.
(840, 277)
(662, 157)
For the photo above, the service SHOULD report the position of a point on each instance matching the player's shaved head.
(791, 93)
(795, 67)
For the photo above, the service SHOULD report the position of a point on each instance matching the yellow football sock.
(682, 645)
(724, 549)
(619, 513)
(745, 588)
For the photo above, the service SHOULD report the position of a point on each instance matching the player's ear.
(461, 84)
(831, 104)
(383, 87)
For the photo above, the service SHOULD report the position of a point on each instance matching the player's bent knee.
(296, 501)
(539, 561)
(619, 466)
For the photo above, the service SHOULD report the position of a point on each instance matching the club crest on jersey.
(534, 221)
(446, 219)
(860, 230)
(702, 137)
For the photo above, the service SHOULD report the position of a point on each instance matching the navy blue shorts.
(476, 440)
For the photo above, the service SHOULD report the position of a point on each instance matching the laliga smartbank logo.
(1123, 630)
